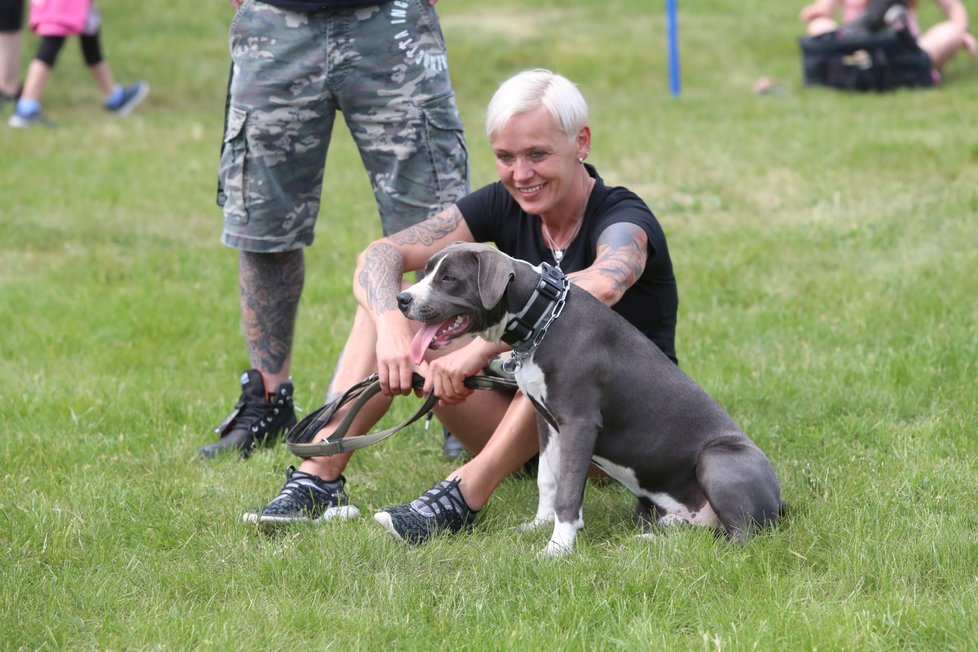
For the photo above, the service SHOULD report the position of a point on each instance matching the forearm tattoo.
(383, 265)
(381, 276)
(270, 286)
(431, 230)
(622, 252)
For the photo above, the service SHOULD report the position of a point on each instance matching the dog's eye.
(447, 278)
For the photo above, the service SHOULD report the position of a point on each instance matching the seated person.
(548, 206)
(941, 42)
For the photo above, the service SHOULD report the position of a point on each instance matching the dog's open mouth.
(434, 336)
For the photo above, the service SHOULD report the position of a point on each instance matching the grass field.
(825, 248)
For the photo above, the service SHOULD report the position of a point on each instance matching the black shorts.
(11, 15)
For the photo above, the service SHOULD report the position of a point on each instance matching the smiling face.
(538, 163)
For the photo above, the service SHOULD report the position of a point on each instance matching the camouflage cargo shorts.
(385, 68)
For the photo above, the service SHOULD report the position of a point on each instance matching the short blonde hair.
(531, 89)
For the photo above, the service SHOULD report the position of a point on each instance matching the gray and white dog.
(603, 392)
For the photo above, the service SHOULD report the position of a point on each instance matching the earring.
(580, 159)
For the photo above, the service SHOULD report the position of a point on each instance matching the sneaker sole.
(346, 513)
(385, 519)
(18, 122)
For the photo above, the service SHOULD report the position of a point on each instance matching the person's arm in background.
(819, 9)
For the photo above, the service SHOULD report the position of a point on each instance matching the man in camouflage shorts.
(295, 64)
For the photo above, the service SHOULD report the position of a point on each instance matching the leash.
(523, 333)
(299, 438)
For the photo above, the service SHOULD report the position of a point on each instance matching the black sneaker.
(440, 508)
(305, 498)
(257, 419)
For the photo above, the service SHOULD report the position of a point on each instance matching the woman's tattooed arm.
(621, 257)
(384, 261)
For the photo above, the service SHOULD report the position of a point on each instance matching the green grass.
(825, 250)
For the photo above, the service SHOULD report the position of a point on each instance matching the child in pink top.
(63, 17)
(54, 21)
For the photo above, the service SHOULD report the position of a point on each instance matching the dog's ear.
(495, 274)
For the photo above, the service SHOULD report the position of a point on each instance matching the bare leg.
(359, 360)
(511, 443)
(942, 42)
(102, 75)
(38, 74)
(271, 285)
(10, 50)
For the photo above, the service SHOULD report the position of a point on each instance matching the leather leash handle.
(306, 429)
(339, 443)
(298, 438)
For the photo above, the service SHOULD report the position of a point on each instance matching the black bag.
(870, 62)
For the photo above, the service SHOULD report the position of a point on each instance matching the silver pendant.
(558, 255)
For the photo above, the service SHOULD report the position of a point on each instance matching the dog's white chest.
(532, 381)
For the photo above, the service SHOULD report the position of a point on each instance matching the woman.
(548, 206)
(941, 42)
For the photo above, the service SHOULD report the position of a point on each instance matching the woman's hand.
(816, 10)
(446, 375)
(394, 364)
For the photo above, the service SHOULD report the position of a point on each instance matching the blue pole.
(675, 84)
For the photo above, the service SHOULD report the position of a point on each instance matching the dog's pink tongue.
(422, 340)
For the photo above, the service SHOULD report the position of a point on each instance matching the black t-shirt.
(323, 5)
(650, 305)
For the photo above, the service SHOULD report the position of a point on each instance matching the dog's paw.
(672, 520)
(535, 524)
(555, 550)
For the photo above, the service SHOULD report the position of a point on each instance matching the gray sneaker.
(441, 509)
(305, 498)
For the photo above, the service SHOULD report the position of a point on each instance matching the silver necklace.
(558, 252)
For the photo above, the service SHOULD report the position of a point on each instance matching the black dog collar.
(525, 331)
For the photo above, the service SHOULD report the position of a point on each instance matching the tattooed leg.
(271, 285)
